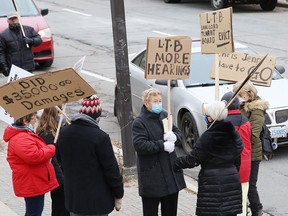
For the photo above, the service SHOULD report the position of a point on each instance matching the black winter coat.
(13, 49)
(49, 139)
(219, 187)
(156, 177)
(92, 178)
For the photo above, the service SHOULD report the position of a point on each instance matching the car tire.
(219, 4)
(45, 63)
(268, 5)
(189, 131)
(172, 1)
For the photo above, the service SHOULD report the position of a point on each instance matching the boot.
(257, 212)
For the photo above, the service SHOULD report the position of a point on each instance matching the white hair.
(217, 110)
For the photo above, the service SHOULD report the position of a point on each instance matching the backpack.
(267, 144)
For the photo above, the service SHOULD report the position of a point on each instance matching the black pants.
(253, 195)
(58, 202)
(34, 205)
(168, 205)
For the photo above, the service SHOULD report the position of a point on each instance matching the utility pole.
(123, 84)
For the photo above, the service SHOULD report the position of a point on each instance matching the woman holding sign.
(254, 108)
(47, 129)
(218, 152)
(29, 158)
(158, 182)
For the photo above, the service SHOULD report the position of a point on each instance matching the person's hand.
(5, 71)
(28, 41)
(170, 136)
(118, 203)
(169, 146)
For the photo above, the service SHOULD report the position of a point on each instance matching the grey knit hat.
(235, 103)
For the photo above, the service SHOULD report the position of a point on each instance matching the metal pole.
(123, 81)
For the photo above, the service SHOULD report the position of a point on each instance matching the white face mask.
(241, 100)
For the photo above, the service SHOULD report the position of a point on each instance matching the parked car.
(32, 16)
(266, 5)
(187, 96)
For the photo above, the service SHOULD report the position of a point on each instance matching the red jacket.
(29, 159)
(243, 126)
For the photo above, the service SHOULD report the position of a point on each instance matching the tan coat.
(255, 112)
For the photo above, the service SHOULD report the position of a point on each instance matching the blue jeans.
(34, 205)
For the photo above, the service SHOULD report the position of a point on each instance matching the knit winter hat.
(91, 106)
(235, 103)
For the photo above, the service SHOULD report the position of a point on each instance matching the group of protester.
(81, 170)
(82, 173)
(229, 153)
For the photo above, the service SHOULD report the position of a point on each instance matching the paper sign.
(79, 65)
(166, 126)
(236, 66)
(15, 74)
(27, 95)
(216, 31)
(168, 58)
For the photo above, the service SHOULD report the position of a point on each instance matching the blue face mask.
(206, 119)
(30, 127)
(63, 119)
(156, 108)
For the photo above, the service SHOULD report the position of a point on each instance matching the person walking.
(15, 48)
(218, 152)
(158, 182)
(243, 126)
(47, 129)
(254, 108)
(29, 158)
(93, 184)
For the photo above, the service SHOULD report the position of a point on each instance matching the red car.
(32, 16)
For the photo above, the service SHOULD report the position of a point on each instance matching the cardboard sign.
(216, 31)
(168, 58)
(15, 74)
(236, 66)
(30, 94)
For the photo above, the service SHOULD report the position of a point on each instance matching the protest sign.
(79, 65)
(216, 31)
(168, 58)
(31, 94)
(15, 74)
(236, 66)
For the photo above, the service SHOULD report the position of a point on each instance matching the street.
(84, 28)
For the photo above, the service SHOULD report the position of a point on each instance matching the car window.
(26, 8)
(140, 60)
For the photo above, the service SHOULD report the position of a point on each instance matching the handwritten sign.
(15, 74)
(216, 31)
(236, 66)
(30, 94)
(168, 58)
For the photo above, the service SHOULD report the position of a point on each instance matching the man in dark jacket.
(158, 182)
(93, 184)
(15, 48)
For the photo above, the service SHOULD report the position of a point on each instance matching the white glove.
(169, 146)
(118, 203)
(170, 136)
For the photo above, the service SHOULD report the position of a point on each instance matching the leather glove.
(118, 203)
(169, 146)
(28, 41)
(170, 136)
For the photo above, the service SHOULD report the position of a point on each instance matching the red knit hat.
(91, 106)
